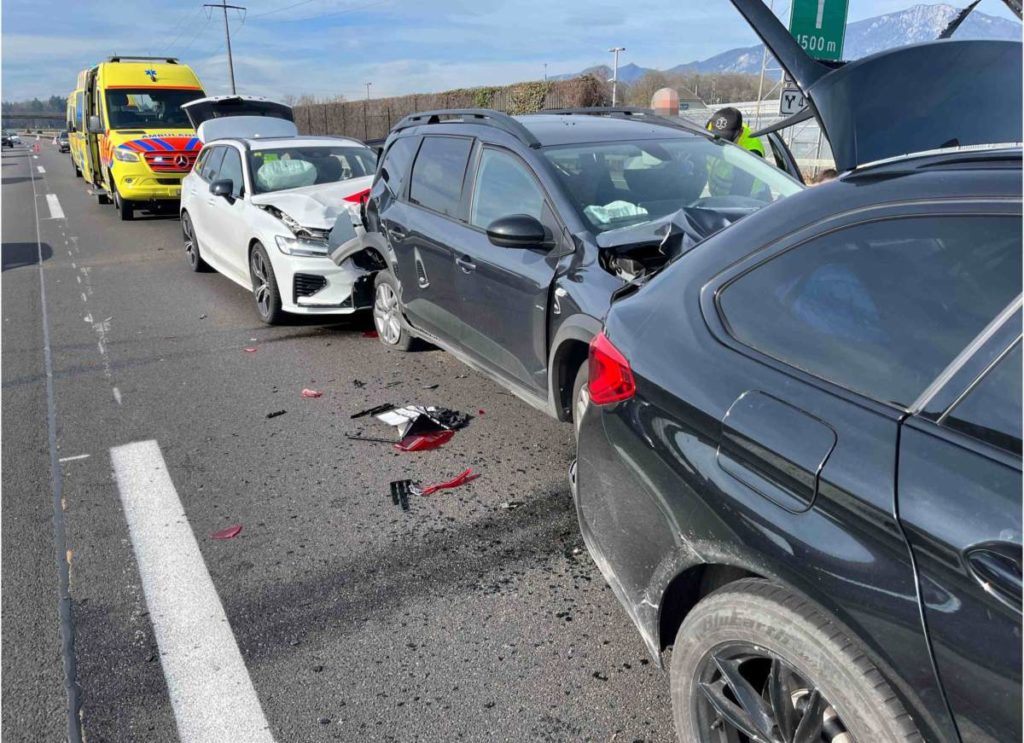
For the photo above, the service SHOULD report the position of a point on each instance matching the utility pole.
(223, 5)
(615, 75)
(368, 90)
(545, 72)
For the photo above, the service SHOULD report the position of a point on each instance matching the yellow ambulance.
(130, 139)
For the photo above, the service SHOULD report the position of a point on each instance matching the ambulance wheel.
(78, 171)
(124, 207)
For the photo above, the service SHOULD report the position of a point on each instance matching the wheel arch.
(569, 349)
(686, 590)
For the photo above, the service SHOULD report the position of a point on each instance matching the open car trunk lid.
(240, 117)
(910, 99)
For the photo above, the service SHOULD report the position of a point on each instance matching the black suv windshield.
(282, 168)
(147, 108)
(620, 184)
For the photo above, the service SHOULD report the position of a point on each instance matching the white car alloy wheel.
(261, 279)
(385, 315)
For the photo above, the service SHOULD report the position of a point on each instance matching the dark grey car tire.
(387, 313)
(192, 252)
(788, 628)
(266, 294)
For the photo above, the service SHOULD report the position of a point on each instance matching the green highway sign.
(819, 26)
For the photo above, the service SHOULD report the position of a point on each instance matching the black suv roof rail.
(137, 58)
(483, 116)
(629, 112)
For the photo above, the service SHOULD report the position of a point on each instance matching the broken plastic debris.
(229, 533)
(400, 490)
(312, 394)
(425, 441)
(276, 413)
(371, 439)
(511, 505)
(461, 479)
(370, 334)
(358, 383)
(373, 411)
(250, 349)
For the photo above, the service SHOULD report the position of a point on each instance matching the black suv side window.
(439, 172)
(395, 168)
(880, 308)
(504, 186)
(991, 409)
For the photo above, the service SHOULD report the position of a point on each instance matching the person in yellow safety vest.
(728, 124)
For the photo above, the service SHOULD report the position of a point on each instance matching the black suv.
(801, 462)
(505, 238)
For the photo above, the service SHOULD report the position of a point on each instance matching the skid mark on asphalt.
(210, 689)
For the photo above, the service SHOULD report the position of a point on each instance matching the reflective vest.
(750, 143)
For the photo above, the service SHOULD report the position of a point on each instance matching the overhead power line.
(227, 36)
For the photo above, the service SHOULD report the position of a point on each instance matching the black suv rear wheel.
(755, 662)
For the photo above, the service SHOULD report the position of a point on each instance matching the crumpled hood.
(318, 206)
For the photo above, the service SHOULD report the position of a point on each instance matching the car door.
(226, 216)
(200, 206)
(959, 491)
(428, 233)
(507, 288)
(879, 308)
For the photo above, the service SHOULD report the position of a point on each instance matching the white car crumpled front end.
(308, 223)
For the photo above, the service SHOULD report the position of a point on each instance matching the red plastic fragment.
(460, 479)
(230, 533)
(480, 411)
(250, 349)
(425, 441)
(312, 394)
(370, 334)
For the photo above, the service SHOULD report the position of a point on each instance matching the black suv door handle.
(395, 231)
(997, 566)
(465, 264)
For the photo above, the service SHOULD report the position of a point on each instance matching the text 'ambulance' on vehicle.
(129, 137)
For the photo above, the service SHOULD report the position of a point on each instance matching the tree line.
(53, 104)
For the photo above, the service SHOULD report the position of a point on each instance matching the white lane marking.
(55, 211)
(84, 298)
(35, 157)
(74, 458)
(210, 689)
(40, 168)
(117, 395)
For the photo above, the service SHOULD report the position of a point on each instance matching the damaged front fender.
(353, 241)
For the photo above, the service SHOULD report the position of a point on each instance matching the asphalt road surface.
(477, 615)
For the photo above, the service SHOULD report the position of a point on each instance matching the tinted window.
(991, 411)
(395, 168)
(438, 173)
(211, 165)
(504, 187)
(880, 308)
(231, 170)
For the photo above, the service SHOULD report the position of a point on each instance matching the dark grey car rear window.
(991, 411)
(438, 173)
(879, 308)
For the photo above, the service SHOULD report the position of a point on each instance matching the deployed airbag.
(277, 175)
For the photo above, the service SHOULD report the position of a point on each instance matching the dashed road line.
(211, 692)
(41, 169)
(74, 458)
(54, 203)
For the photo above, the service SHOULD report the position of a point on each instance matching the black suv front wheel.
(755, 662)
(387, 313)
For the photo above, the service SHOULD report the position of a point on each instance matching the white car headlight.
(125, 156)
(300, 247)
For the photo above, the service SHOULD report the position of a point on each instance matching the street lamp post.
(615, 73)
(368, 90)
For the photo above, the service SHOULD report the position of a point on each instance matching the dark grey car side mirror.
(95, 125)
(223, 188)
(518, 231)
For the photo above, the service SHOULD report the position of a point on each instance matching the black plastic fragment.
(276, 413)
(371, 439)
(400, 491)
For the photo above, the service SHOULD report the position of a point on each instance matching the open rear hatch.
(944, 93)
(240, 117)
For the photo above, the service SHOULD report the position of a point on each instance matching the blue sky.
(330, 47)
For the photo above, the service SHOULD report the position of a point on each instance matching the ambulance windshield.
(149, 108)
